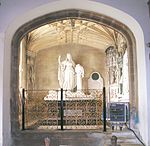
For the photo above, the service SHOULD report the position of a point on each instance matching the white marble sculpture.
(66, 73)
(79, 75)
(69, 74)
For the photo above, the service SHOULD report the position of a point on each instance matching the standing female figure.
(66, 73)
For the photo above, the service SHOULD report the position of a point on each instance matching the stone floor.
(77, 138)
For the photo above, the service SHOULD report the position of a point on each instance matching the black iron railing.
(58, 109)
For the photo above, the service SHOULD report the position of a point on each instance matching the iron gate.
(58, 109)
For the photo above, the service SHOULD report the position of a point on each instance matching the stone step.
(77, 138)
(124, 137)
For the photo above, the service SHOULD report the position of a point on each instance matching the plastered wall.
(46, 64)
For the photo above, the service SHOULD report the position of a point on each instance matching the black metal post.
(104, 109)
(149, 6)
(23, 109)
(62, 110)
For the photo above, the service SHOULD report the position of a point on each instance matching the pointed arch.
(85, 9)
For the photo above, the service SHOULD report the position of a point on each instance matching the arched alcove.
(91, 12)
(60, 15)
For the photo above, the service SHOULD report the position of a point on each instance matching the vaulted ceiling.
(74, 31)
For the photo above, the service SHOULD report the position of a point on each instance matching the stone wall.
(46, 64)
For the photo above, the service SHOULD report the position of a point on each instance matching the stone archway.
(41, 20)
(80, 14)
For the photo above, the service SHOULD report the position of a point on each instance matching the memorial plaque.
(72, 112)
